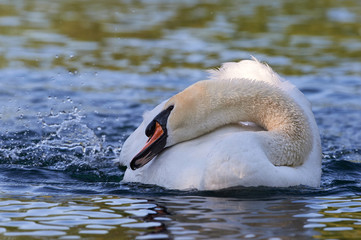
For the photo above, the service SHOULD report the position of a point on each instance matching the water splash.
(66, 144)
(73, 134)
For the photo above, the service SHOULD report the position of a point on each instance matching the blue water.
(72, 91)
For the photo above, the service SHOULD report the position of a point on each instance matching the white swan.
(244, 126)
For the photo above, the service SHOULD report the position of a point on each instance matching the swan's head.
(179, 120)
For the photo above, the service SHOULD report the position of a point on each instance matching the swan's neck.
(213, 104)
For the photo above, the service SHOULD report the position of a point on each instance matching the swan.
(244, 126)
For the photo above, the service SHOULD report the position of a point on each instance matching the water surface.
(76, 77)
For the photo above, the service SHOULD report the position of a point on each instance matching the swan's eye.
(149, 131)
(161, 118)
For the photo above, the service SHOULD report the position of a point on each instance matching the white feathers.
(247, 69)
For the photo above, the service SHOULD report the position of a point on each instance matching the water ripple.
(81, 216)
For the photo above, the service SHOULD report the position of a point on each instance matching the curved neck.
(217, 103)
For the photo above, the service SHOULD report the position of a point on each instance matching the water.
(76, 77)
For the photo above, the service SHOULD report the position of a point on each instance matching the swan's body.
(205, 144)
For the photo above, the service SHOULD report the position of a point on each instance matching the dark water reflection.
(188, 217)
(76, 77)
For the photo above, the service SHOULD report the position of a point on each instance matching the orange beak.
(157, 133)
(153, 147)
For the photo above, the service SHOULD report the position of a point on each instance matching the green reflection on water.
(101, 217)
(295, 36)
(340, 218)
